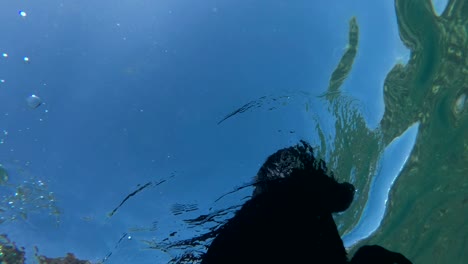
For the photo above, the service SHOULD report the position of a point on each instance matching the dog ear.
(377, 254)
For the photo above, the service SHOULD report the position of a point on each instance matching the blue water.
(132, 92)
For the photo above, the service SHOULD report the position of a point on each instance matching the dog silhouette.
(289, 217)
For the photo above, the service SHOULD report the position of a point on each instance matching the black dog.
(289, 218)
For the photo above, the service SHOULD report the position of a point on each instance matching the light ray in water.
(392, 162)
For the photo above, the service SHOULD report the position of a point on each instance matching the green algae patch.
(344, 66)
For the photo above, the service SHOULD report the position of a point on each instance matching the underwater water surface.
(130, 131)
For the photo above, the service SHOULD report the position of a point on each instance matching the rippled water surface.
(130, 131)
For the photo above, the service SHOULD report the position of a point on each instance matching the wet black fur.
(291, 222)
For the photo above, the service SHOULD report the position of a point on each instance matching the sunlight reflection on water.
(392, 162)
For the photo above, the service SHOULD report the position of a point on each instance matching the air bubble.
(34, 101)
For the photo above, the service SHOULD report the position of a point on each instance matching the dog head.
(295, 170)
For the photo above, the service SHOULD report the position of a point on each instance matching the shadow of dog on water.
(289, 218)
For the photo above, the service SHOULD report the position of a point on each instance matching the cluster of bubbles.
(26, 194)
(3, 135)
(33, 101)
(19, 200)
